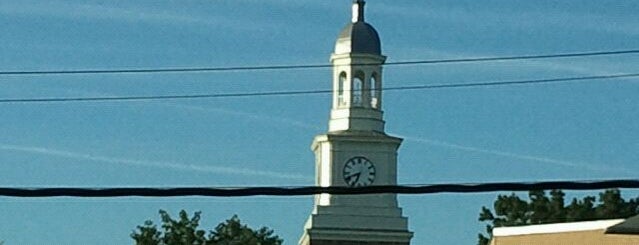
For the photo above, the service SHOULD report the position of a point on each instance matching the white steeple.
(355, 151)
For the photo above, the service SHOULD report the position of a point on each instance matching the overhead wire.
(308, 92)
(313, 190)
(312, 66)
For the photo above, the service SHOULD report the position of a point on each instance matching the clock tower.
(356, 152)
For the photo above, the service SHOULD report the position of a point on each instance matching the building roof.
(629, 226)
(555, 228)
(359, 37)
(598, 232)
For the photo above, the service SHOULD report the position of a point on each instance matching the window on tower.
(340, 90)
(357, 88)
(374, 91)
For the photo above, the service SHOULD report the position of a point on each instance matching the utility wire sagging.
(312, 190)
(306, 92)
(314, 66)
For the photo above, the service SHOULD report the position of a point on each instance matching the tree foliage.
(184, 231)
(544, 208)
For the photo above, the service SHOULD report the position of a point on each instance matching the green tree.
(543, 209)
(233, 232)
(184, 231)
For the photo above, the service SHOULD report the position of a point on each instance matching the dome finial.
(358, 10)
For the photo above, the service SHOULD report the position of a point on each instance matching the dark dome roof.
(361, 37)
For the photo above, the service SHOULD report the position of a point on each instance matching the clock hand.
(354, 175)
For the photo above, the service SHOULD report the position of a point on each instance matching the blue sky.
(568, 131)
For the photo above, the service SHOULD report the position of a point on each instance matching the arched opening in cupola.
(375, 90)
(357, 88)
(340, 89)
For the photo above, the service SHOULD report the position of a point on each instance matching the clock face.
(359, 171)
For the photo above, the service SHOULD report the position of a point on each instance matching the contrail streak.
(165, 165)
(541, 159)
(303, 125)
(518, 156)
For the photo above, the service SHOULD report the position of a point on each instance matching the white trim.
(325, 172)
(360, 235)
(555, 228)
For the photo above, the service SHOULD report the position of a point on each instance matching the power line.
(311, 66)
(523, 57)
(306, 92)
(312, 190)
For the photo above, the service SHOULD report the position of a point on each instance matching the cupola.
(358, 36)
